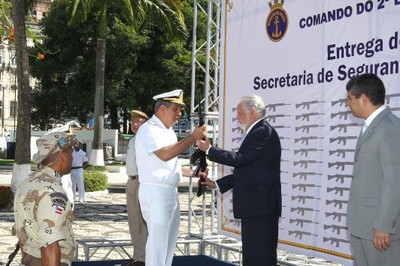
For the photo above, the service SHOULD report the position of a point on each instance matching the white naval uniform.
(78, 159)
(66, 183)
(158, 194)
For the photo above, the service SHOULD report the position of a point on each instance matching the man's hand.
(203, 174)
(203, 145)
(200, 132)
(209, 183)
(381, 240)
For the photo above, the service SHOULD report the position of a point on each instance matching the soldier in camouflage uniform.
(43, 214)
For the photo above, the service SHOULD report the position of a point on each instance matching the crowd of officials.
(44, 213)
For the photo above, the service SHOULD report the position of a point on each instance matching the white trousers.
(160, 209)
(67, 185)
(77, 180)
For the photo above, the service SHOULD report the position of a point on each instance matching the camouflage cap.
(52, 143)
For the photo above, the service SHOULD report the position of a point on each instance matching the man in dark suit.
(373, 214)
(255, 181)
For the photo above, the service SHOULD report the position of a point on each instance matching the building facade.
(8, 90)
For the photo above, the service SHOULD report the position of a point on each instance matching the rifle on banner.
(199, 159)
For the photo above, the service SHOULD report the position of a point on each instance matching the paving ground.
(103, 216)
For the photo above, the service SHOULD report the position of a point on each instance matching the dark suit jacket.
(256, 176)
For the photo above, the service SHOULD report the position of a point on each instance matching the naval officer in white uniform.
(159, 175)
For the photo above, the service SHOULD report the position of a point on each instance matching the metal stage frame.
(206, 71)
(206, 96)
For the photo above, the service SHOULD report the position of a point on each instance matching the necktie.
(364, 128)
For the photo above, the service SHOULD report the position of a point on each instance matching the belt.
(76, 167)
(133, 177)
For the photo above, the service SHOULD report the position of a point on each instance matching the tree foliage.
(6, 28)
(139, 64)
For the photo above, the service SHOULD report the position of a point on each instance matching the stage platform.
(199, 260)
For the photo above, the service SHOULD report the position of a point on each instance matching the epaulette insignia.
(152, 123)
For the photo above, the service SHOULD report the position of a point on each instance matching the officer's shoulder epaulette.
(152, 123)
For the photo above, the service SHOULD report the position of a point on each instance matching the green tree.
(5, 22)
(139, 64)
(167, 11)
(66, 74)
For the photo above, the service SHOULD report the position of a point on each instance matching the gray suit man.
(374, 203)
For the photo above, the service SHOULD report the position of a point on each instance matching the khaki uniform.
(137, 225)
(43, 215)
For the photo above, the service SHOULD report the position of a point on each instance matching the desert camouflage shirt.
(43, 215)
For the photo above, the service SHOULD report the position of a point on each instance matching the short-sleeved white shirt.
(152, 136)
(79, 158)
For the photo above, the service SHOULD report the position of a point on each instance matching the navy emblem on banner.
(277, 21)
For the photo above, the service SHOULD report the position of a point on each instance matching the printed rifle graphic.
(338, 190)
(303, 175)
(341, 102)
(238, 139)
(335, 228)
(342, 114)
(342, 139)
(305, 140)
(341, 152)
(340, 164)
(337, 202)
(335, 240)
(307, 104)
(339, 177)
(306, 128)
(274, 117)
(301, 222)
(344, 126)
(305, 151)
(302, 199)
(299, 234)
(272, 107)
(238, 129)
(281, 126)
(335, 215)
(302, 210)
(304, 186)
(306, 117)
(390, 96)
(304, 163)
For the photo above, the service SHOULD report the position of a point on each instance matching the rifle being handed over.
(198, 158)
